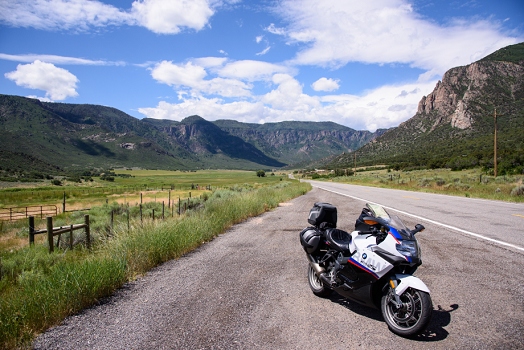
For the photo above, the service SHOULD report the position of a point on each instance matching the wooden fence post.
(50, 233)
(71, 238)
(88, 232)
(63, 203)
(31, 230)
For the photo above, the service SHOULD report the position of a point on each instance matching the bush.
(518, 191)
(56, 182)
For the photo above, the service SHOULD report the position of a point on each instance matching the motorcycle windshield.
(378, 211)
(400, 227)
(392, 220)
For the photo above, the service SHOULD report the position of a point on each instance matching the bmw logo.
(364, 256)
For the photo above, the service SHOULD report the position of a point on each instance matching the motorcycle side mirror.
(418, 228)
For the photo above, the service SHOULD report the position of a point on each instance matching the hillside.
(52, 138)
(299, 142)
(454, 125)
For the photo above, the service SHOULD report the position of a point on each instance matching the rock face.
(453, 126)
(456, 99)
(295, 142)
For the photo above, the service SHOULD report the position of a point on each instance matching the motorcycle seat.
(338, 239)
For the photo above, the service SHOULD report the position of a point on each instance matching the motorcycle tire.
(414, 315)
(317, 287)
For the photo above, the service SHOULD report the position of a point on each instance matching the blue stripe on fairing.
(362, 267)
(395, 233)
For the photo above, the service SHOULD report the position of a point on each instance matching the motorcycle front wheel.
(412, 317)
(316, 285)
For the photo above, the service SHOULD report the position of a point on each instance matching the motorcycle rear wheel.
(316, 285)
(414, 315)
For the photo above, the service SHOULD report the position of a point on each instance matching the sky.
(362, 64)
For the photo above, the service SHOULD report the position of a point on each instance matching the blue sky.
(363, 64)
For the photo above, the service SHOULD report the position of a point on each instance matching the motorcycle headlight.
(408, 248)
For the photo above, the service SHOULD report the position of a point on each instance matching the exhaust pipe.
(318, 269)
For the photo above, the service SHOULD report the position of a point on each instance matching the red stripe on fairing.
(396, 240)
(362, 267)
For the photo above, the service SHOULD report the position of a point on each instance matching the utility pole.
(495, 144)
(355, 173)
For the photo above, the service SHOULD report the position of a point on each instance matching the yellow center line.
(410, 197)
(520, 216)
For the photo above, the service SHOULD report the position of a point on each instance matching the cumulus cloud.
(383, 31)
(169, 16)
(159, 16)
(383, 107)
(191, 76)
(253, 70)
(58, 83)
(325, 84)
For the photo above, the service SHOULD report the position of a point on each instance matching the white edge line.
(431, 221)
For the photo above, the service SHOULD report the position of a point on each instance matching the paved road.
(499, 221)
(247, 289)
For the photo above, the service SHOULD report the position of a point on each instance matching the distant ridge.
(60, 137)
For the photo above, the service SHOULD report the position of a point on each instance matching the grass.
(39, 289)
(468, 183)
(129, 185)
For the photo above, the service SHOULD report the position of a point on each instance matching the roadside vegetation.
(38, 289)
(474, 183)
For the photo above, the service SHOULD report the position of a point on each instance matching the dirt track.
(247, 289)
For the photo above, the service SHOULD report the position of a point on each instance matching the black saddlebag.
(310, 239)
(323, 212)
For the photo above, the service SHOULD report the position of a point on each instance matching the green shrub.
(518, 191)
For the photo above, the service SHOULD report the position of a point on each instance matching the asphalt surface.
(247, 289)
(502, 222)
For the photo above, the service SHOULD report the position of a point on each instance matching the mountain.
(454, 125)
(69, 136)
(50, 138)
(206, 139)
(299, 142)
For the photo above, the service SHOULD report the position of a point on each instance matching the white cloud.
(209, 62)
(192, 76)
(61, 14)
(263, 52)
(159, 16)
(274, 30)
(58, 83)
(178, 75)
(383, 107)
(252, 70)
(384, 31)
(59, 60)
(169, 16)
(325, 84)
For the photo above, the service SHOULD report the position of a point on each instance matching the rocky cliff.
(299, 142)
(453, 126)
(458, 99)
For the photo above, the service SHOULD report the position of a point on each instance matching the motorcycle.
(373, 265)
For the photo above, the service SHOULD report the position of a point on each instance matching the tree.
(261, 173)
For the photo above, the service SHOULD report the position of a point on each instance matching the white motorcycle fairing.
(409, 281)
